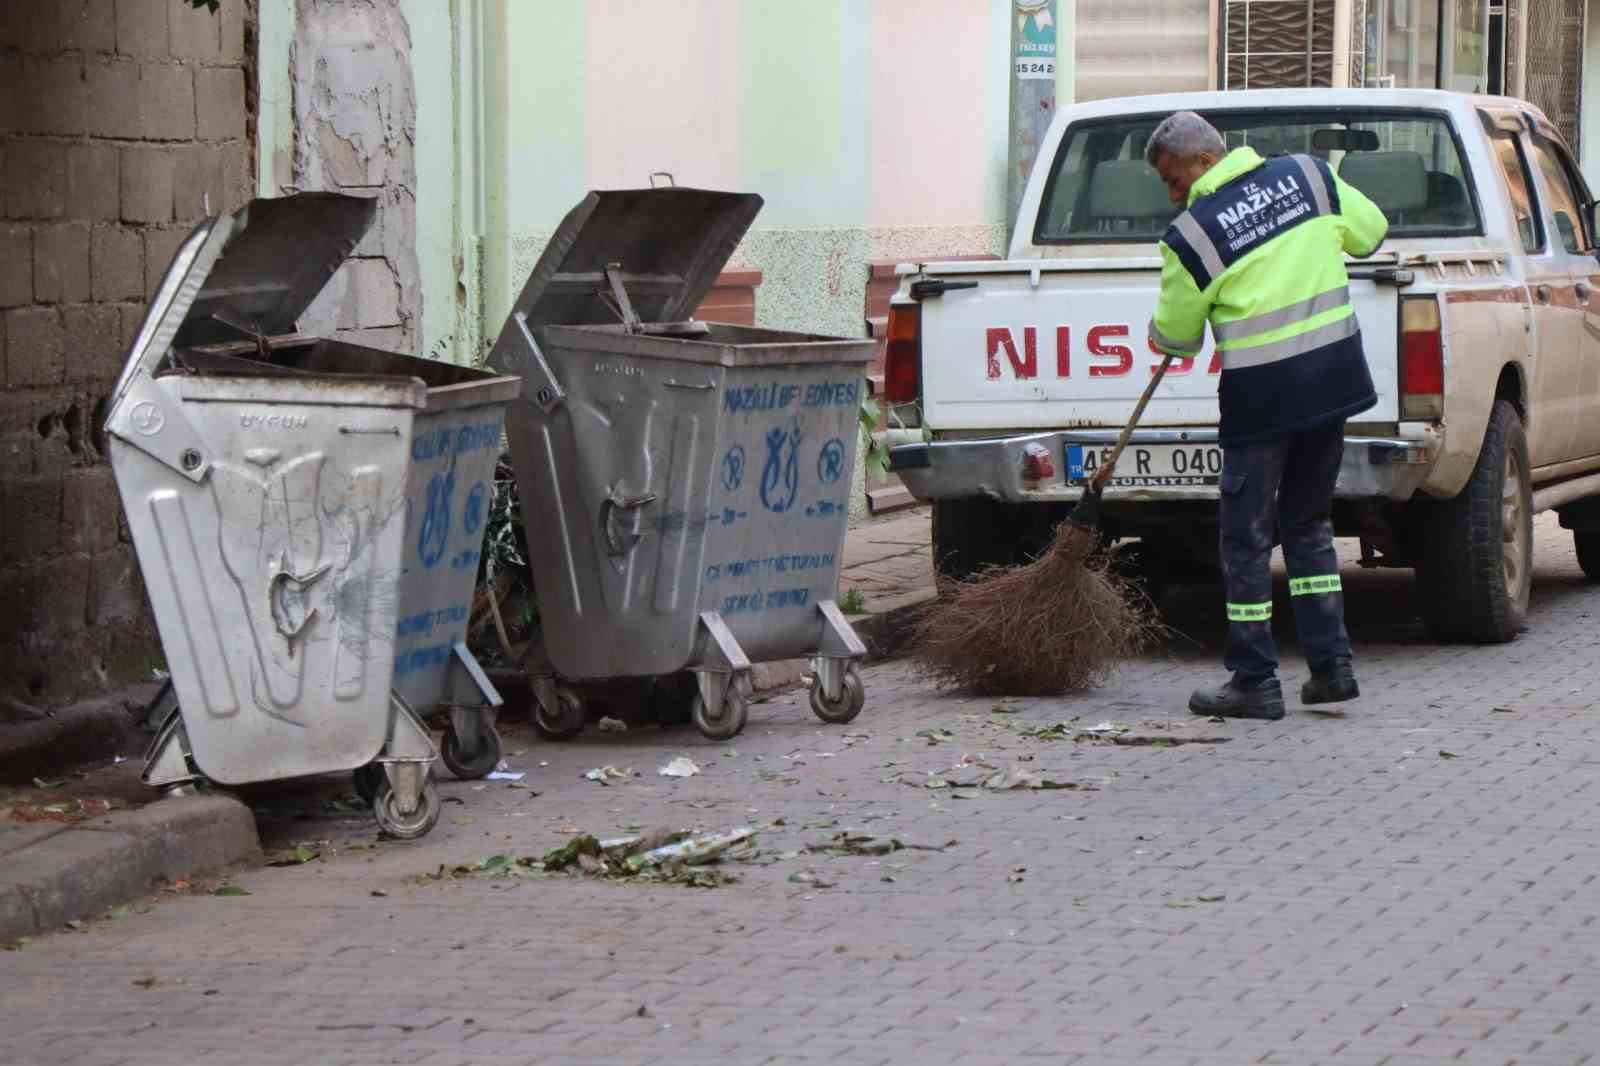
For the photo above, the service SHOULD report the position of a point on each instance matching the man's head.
(1181, 149)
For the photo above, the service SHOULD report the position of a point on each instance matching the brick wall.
(119, 119)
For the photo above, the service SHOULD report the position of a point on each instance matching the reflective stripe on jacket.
(1260, 255)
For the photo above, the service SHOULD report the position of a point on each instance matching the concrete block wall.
(119, 121)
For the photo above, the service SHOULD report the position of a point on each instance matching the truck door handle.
(937, 287)
(1542, 293)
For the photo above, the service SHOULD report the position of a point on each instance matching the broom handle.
(1104, 473)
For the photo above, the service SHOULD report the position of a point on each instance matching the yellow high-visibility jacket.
(1260, 255)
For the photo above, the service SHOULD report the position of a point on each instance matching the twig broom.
(1057, 624)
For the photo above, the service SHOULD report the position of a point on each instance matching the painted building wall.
(871, 130)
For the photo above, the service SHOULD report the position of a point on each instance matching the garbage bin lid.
(668, 244)
(279, 256)
(259, 267)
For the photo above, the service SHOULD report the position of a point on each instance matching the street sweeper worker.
(1259, 254)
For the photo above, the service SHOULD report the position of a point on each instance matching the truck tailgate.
(1060, 344)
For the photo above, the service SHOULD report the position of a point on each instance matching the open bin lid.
(668, 245)
(258, 268)
(281, 254)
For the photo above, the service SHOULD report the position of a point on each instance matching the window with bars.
(1278, 44)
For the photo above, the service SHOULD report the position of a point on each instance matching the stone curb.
(67, 737)
(83, 870)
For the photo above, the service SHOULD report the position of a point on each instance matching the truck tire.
(1477, 571)
(1587, 543)
(974, 533)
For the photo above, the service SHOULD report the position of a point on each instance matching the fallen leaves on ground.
(299, 855)
(666, 856)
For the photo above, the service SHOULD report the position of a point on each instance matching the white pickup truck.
(1480, 316)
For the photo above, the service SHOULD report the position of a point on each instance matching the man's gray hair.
(1183, 135)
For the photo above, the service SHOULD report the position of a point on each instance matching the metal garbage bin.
(684, 485)
(308, 515)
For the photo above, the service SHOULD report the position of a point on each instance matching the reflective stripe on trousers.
(1315, 586)
(1250, 612)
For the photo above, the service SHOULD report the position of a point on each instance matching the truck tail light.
(1036, 464)
(1421, 359)
(902, 355)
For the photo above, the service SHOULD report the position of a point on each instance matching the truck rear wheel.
(1477, 572)
(972, 534)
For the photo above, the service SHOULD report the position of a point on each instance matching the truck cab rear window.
(1101, 191)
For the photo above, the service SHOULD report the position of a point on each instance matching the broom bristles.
(1058, 624)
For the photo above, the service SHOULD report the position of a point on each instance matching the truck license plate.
(1148, 465)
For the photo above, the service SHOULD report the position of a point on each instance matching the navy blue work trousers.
(1282, 489)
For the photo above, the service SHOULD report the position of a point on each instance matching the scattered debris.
(507, 775)
(848, 843)
(298, 856)
(612, 725)
(663, 855)
(1503, 710)
(692, 851)
(1448, 754)
(606, 774)
(231, 890)
(812, 878)
(682, 766)
(1058, 731)
(61, 811)
(1015, 876)
(378, 893)
(990, 778)
(146, 982)
(1005, 780)
(1104, 728)
(936, 736)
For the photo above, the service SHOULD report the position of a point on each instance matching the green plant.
(874, 453)
(505, 613)
(852, 602)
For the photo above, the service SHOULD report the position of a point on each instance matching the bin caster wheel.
(735, 713)
(567, 719)
(386, 809)
(852, 696)
(482, 762)
(364, 779)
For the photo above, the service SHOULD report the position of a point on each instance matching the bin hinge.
(630, 318)
(548, 394)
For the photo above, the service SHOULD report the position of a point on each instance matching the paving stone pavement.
(1318, 890)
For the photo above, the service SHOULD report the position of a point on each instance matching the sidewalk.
(66, 857)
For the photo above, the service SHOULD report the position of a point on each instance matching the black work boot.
(1241, 697)
(1334, 683)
